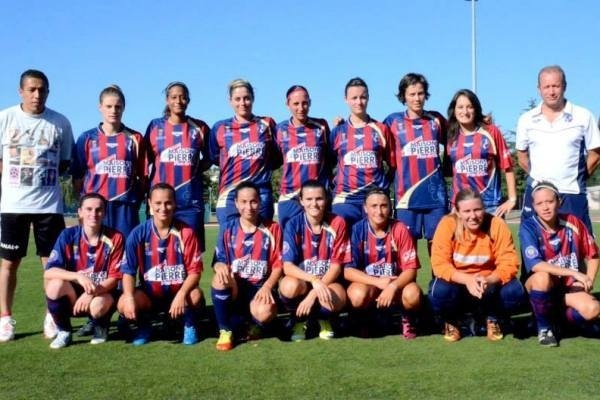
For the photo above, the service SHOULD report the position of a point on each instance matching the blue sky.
(142, 45)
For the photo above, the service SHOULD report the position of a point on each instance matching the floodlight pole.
(473, 48)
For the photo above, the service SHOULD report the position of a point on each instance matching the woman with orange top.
(474, 262)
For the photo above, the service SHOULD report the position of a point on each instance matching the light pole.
(473, 48)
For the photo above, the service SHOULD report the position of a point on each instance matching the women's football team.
(340, 242)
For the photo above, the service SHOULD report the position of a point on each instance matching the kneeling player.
(247, 267)
(165, 255)
(384, 264)
(83, 271)
(315, 250)
(560, 257)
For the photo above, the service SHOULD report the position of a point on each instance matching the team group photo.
(338, 221)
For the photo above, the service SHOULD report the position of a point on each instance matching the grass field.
(345, 368)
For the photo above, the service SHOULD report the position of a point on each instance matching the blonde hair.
(240, 83)
(112, 90)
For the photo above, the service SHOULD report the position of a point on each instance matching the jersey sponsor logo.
(304, 155)
(381, 268)
(565, 261)
(166, 274)
(422, 149)
(315, 266)
(246, 150)
(177, 155)
(113, 168)
(361, 158)
(471, 167)
(248, 268)
(531, 252)
(96, 277)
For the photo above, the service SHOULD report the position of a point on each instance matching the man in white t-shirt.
(558, 141)
(35, 149)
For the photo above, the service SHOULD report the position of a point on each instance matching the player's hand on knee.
(223, 274)
(86, 283)
(177, 305)
(264, 296)
(82, 305)
(129, 308)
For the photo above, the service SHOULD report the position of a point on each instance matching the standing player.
(36, 148)
(359, 146)
(421, 199)
(244, 148)
(110, 160)
(558, 141)
(83, 271)
(302, 141)
(474, 262)
(177, 147)
(165, 255)
(247, 267)
(477, 152)
(560, 257)
(315, 249)
(384, 264)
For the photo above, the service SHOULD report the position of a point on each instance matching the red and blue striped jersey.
(177, 155)
(73, 252)
(251, 256)
(304, 153)
(386, 256)
(568, 247)
(110, 165)
(419, 180)
(476, 163)
(359, 154)
(314, 253)
(162, 265)
(244, 151)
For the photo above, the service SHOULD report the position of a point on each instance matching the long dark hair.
(453, 125)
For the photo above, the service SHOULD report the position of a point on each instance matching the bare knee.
(291, 287)
(411, 296)
(263, 313)
(55, 288)
(541, 281)
(100, 305)
(358, 294)
(590, 309)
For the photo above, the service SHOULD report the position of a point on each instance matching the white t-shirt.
(32, 148)
(558, 149)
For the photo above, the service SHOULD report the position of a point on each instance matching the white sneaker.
(7, 329)
(50, 328)
(63, 339)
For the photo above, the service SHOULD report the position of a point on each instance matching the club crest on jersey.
(531, 252)
(177, 155)
(304, 155)
(420, 148)
(361, 158)
(113, 168)
(246, 150)
(471, 167)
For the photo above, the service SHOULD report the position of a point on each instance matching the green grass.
(350, 368)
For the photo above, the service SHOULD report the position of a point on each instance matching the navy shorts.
(351, 212)
(122, 216)
(195, 219)
(421, 223)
